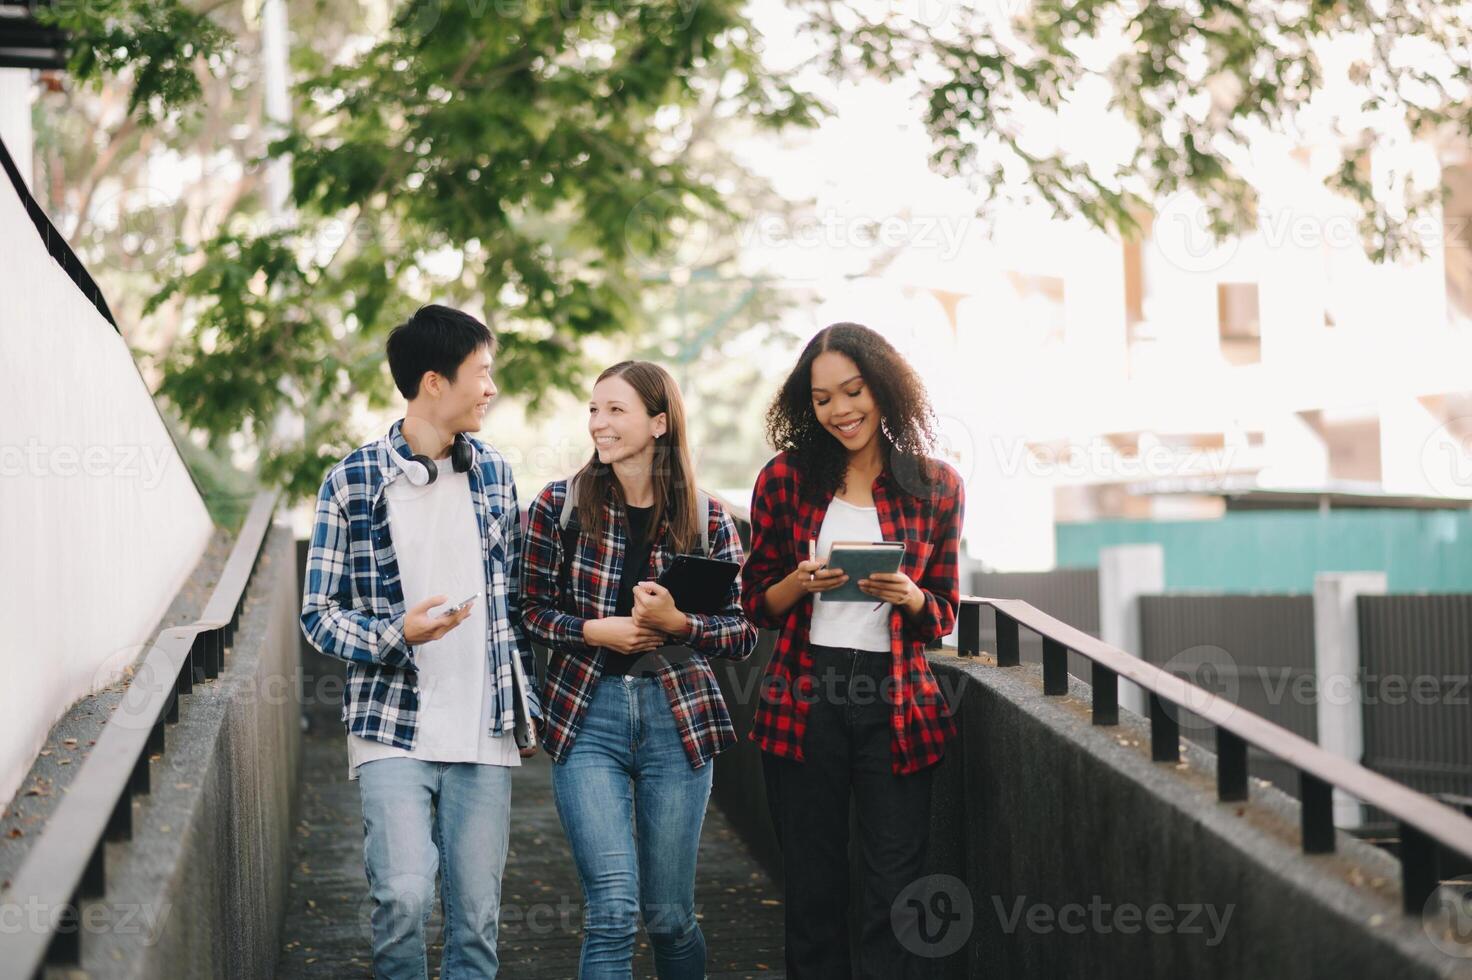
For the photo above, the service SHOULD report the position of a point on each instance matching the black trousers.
(846, 752)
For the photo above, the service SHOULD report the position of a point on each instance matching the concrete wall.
(15, 118)
(738, 787)
(323, 677)
(205, 876)
(100, 523)
(1058, 849)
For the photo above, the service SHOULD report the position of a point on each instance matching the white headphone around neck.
(419, 475)
(422, 471)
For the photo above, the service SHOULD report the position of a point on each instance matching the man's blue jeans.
(420, 818)
(632, 809)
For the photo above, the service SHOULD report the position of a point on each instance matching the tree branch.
(99, 169)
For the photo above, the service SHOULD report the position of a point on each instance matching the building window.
(1457, 218)
(1141, 273)
(1237, 321)
(1040, 299)
(1134, 287)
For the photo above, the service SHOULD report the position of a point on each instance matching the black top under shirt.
(636, 567)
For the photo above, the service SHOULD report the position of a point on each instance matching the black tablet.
(699, 585)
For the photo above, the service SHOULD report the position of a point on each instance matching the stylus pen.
(812, 556)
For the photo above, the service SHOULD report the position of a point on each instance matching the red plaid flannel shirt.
(574, 668)
(782, 523)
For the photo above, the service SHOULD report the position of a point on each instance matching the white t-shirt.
(438, 547)
(849, 624)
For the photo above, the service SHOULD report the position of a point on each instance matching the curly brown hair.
(907, 421)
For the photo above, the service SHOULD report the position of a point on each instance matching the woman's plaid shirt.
(782, 524)
(574, 668)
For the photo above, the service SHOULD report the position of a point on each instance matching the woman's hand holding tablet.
(860, 560)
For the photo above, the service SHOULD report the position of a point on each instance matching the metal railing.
(67, 865)
(1425, 824)
(55, 241)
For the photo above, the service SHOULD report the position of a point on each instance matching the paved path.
(326, 920)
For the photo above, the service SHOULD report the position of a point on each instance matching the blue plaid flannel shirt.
(353, 604)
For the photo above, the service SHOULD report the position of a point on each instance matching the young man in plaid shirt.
(420, 519)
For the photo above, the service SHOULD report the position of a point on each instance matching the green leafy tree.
(152, 141)
(157, 44)
(522, 160)
(533, 160)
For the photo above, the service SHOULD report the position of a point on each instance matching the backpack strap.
(569, 503)
(702, 507)
(569, 537)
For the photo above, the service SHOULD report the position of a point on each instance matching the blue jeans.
(420, 818)
(632, 809)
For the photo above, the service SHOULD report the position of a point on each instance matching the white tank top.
(849, 624)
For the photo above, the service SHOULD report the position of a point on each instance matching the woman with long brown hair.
(632, 725)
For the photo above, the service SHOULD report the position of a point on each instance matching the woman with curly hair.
(848, 704)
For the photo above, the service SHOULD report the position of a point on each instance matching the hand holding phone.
(421, 627)
(461, 605)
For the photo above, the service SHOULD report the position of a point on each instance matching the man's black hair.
(436, 338)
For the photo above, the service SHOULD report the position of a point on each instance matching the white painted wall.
(100, 523)
(15, 117)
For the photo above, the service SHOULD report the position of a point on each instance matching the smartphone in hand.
(461, 605)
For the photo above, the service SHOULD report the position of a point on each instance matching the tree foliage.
(1198, 83)
(157, 43)
(535, 160)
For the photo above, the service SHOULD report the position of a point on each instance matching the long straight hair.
(673, 472)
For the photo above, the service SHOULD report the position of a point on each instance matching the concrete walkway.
(326, 930)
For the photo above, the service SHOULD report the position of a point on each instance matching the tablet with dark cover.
(859, 560)
(699, 585)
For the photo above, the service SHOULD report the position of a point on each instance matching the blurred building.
(1171, 378)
